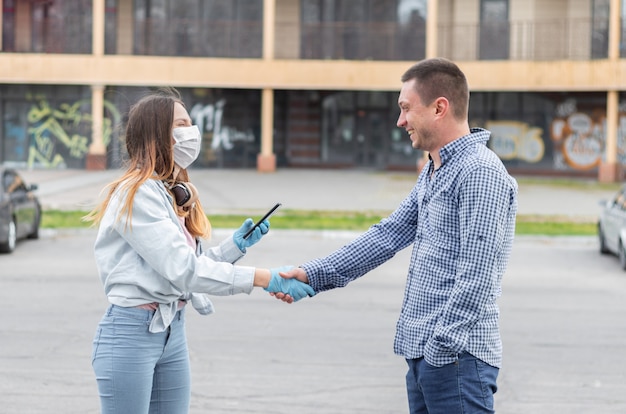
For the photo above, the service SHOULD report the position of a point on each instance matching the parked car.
(612, 226)
(20, 210)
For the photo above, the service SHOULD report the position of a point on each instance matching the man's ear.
(442, 106)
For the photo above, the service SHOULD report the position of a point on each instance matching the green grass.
(286, 219)
(555, 225)
(574, 183)
(342, 220)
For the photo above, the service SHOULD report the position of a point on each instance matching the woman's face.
(181, 117)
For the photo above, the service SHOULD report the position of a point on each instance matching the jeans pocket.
(96, 344)
(487, 375)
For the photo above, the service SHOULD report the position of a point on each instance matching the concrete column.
(610, 170)
(432, 18)
(1, 20)
(432, 50)
(23, 26)
(266, 160)
(97, 32)
(96, 158)
(615, 17)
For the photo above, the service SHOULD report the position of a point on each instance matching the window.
(622, 42)
(8, 25)
(62, 27)
(207, 28)
(110, 27)
(363, 29)
(600, 29)
(494, 29)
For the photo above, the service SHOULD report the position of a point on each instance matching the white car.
(612, 226)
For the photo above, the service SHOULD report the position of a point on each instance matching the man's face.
(414, 117)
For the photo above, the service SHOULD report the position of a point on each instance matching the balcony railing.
(362, 41)
(69, 34)
(570, 39)
(199, 38)
(558, 39)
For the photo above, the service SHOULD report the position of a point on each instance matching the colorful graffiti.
(516, 140)
(60, 135)
(64, 132)
(578, 138)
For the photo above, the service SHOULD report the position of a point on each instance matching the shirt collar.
(476, 135)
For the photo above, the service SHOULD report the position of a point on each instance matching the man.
(460, 219)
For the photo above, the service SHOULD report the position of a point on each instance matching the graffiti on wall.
(578, 138)
(209, 118)
(61, 136)
(516, 140)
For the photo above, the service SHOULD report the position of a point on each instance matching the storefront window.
(546, 132)
(357, 129)
(45, 126)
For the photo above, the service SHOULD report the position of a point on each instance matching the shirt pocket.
(443, 222)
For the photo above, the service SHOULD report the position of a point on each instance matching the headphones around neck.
(182, 194)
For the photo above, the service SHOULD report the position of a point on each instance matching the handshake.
(288, 289)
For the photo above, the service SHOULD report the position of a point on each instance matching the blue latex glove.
(256, 235)
(292, 287)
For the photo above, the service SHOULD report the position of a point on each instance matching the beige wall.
(125, 27)
(522, 42)
(466, 16)
(598, 75)
(23, 26)
(579, 12)
(288, 73)
(287, 29)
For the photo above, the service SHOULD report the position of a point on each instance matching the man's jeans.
(463, 387)
(137, 371)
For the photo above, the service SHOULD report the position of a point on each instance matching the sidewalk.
(251, 192)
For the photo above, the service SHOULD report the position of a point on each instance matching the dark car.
(20, 210)
(612, 226)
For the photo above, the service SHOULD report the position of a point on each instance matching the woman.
(151, 264)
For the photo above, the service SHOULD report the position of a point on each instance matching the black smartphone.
(267, 215)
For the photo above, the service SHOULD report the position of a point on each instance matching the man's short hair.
(439, 77)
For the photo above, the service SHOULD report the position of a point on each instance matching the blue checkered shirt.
(461, 222)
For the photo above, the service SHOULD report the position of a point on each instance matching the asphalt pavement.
(248, 191)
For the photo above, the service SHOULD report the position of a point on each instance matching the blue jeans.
(137, 371)
(463, 387)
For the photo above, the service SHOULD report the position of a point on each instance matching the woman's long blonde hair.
(148, 139)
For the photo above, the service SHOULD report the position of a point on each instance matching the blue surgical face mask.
(187, 145)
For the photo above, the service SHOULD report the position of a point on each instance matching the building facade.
(313, 83)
